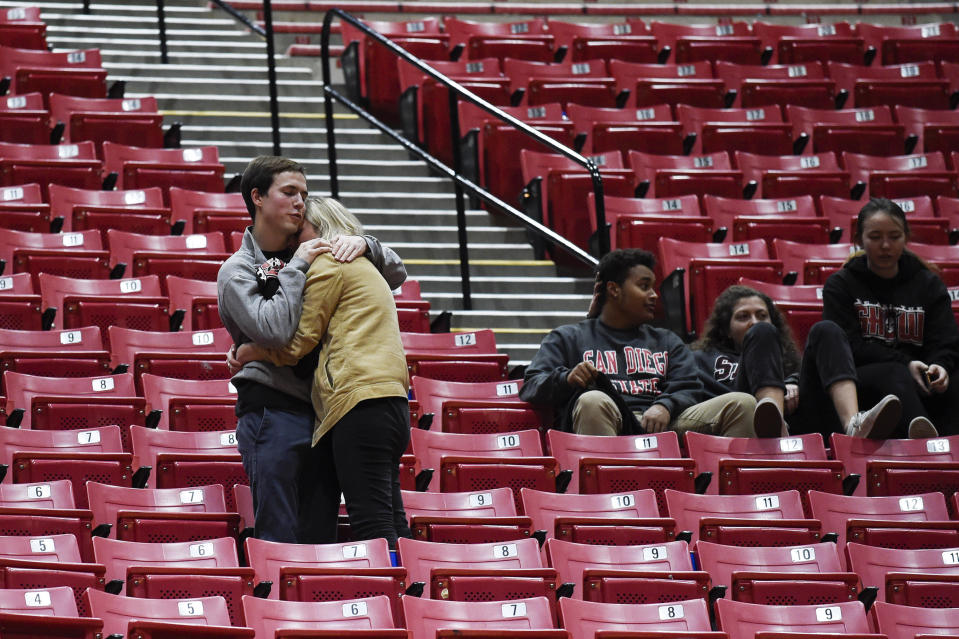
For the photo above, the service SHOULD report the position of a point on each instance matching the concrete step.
(450, 250)
(431, 236)
(580, 286)
(401, 171)
(511, 302)
(199, 126)
(421, 219)
(242, 89)
(285, 74)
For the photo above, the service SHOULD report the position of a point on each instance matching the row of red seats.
(557, 189)
(135, 121)
(126, 167)
(479, 575)
(369, 67)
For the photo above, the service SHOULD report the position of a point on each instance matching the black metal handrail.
(456, 92)
(266, 33)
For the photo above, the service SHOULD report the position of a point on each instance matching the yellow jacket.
(349, 308)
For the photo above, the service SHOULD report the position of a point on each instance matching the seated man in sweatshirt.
(614, 374)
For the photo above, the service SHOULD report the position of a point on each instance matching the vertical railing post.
(271, 75)
(602, 230)
(460, 200)
(86, 6)
(328, 107)
(161, 25)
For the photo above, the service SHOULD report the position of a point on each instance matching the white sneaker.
(768, 419)
(922, 428)
(878, 421)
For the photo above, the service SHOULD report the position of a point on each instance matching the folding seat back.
(69, 164)
(16, 284)
(106, 501)
(63, 254)
(768, 219)
(722, 562)
(53, 602)
(645, 165)
(193, 207)
(150, 442)
(419, 557)
(846, 75)
(573, 561)
(118, 555)
(586, 618)
(637, 222)
(735, 75)
(795, 255)
(860, 165)
(874, 564)
(461, 30)
(424, 617)
(55, 289)
(127, 343)
(119, 120)
(875, 34)
(22, 207)
(627, 517)
(471, 403)
(569, 449)
(117, 611)
(771, 33)
(137, 250)
(57, 494)
(168, 394)
(868, 130)
(856, 453)
(105, 439)
(54, 548)
(83, 205)
(80, 339)
(900, 622)
(497, 502)
(836, 511)
(429, 447)
(752, 466)
(688, 509)
(269, 618)
(476, 342)
(197, 299)
(47, 72)
(267, 557)
(194, 168)
(666, 33)
(753, 165)
(743, 620)
(22, 389)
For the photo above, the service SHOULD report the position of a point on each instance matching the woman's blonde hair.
(330, 218)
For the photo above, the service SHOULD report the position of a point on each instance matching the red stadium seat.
(658, 573)
(459, 357)
(868, 131)
(137, 211)
(874, 564)
(194, 256)
(747, 620)
(744, 466)
(350, 618)
(22, 209)
(186, 355)
(774, 519)
(587, 618)
(162, 515)
(902, 622)
(856, 454)
(934, 130)
(122, 121)
(136, 303)
(130, 616)
(735, 129)
(768, 219)
(627, 518)
(202, 211)
(816, 94)
(924, 226)
(172, 395)
(529, 40)
(78, 73)
(23, 391)
(197, 169)
(915, 521)
(901, 175)
(75, 353)
(599, 130)
(797, 575)
(898, 44)
(19, 306)
(481, 407)
(55, 494)
(800, 304)
(796, 44)
(479, 517)
(196, 301)
(193, 557)
(24, 120)
(794, 175)
(639, 222)
(67, 164)
(50, 612)
(424, 617)
(733, 76)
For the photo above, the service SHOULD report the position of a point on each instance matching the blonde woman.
(360, 382)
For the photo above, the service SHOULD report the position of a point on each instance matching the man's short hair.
(259, 174)
(615, 267)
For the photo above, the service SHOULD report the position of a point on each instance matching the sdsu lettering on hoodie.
(647, 365)
(899, 319)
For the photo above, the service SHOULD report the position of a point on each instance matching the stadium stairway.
(215, 84)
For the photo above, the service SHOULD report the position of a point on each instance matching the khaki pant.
(729, 415)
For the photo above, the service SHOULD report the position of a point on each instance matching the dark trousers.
(826, 360)
(360, 457)
(761, 364)
(280, 461)
(942, 409)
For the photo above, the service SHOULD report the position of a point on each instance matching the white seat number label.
(17, 102)
(811, 162)
(12, 194)
(622, 501)
(866, 115)
(195, 242)
(202, 339)
(355, 609)
(654, 553)
(42, 544)
(88, 437)
(668, 613)
(192, 155)
(131, 286)
(507, 441)
(790, 445)
(937, 445)
(480, 499)
(191, 496)
(517, 609)
(72, 239)
(356, 551)
(504, 551)
(134, 197)
(767, 502)
(829, 613)
(201, 550)
(950, 557)
(739, 249)
(36, 598)
(6, 283)
(68, 151)
(646, 443)
(133, 104)
(465, 339)
(799, 555)
(228, 439)
(911, 504)
(102, 384)
(71, 337)
(39, 491)
(190, 608)
(507, 390)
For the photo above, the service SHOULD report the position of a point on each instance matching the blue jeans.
(281, 463)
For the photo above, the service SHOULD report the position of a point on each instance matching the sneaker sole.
(767, 420)
(886, 420)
